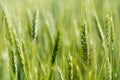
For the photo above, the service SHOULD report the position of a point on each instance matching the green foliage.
(49, 40)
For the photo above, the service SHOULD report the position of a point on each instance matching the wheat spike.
(34, 25)
(55, 49)
(84, 43)
(70, 68)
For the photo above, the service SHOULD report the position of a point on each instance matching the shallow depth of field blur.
(61, 19)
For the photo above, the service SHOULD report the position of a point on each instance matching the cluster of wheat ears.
(63, 44)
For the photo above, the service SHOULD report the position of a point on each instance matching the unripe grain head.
(34, 25)
(84, 43)
(55, 49)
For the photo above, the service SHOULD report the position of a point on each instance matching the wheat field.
(59, 40)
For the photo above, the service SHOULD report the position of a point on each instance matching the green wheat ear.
(12, 65)
(34, 25)
(54, 53)
(8, 28)
(99, 29)
(55, 49)
(108, 30)
(78, 73)
(111, 42)
(107, 71)
(112, 30)
(14, 42)
(26, 58)
(84, 42)
(70, 68)
(60, 73)
(11, 53)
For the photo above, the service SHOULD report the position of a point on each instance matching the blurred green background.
(68, 15)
